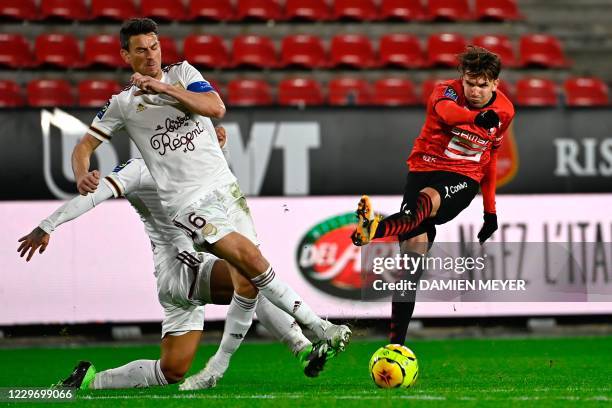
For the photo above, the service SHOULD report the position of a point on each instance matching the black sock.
(402, 306)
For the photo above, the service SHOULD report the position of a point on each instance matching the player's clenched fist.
(89, 182)
(487, 119)
(147, 84)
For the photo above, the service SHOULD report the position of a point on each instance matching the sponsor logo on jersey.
(451, 93)
(102, 111)
(451, 190)
(169, 138)
(329, 261)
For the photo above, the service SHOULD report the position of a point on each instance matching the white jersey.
(179, 147)
(134, 181)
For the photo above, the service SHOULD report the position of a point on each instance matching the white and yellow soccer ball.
(394, 366)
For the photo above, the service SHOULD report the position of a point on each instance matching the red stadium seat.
(18, 10)
(103, 50)
(262, 10)
(64, 9)
(359, 10)
(497, 10)
(165, 10)
(303, 50)
(500, 45)
(403, 10)
(427, 88)
(49, 92)
(536, 92)
(582, 91)
(10, 94)
(401, 50)
(394, 92)
(170, 53)
(15, 51)
(254, 50)
(300, 91)
(216, 10)
(113, 9)
(249, 92)
(206, 51)
(449, 10)
(96, 92)
(442, 49)
(349, 91)
(541, 50)
(309, 10)
(352, 50)
(58, 49)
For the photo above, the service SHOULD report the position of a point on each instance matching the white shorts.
(183, 288)
(218, 213)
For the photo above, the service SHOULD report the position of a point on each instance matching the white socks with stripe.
(282, 326)
(136, 374)
(285, 298)
(239, 319)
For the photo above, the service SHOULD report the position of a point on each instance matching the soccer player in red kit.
(454, 155)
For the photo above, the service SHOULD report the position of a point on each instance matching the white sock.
(281, 325)
(285, 298)
(237, 323)
(136, 374)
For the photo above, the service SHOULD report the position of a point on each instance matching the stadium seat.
(394, 92)
(207, 51)
(49, 92)
(165, 10)
(357, 10)
(59, 50)
(442, 49)
(309, 10)
(352, 50)
(169, 51)
(15, 51)
(349, 91)
(215, 10)
(18, 10)
(64, 9)
(497, 10)
(448, 10)
(303, 50)
(103, 50)
(261, 10)
(254, 50)
(249, 92)
(96, 92)
(10, 94)
(402, 10)
(427, 88)
(500, 45)
(541, 50)
(583, 91)
(536, 92)
(300, 91)
(113, 9)
(401, 50)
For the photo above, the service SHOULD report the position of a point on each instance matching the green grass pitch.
(489, 372)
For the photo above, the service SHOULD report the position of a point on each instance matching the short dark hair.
(478, 61)
(135, 26)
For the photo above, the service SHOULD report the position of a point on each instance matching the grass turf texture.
(489, 372)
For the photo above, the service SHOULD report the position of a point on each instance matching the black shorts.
(456, 193)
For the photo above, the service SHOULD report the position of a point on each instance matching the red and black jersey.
(464, 148)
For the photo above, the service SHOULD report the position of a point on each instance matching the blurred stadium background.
(312, 88)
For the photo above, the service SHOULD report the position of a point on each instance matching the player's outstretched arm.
(87, 181)
(37, 239)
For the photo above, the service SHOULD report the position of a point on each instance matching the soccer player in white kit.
(167, 115)
(186, 281)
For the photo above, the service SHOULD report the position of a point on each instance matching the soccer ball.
(394, 366)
